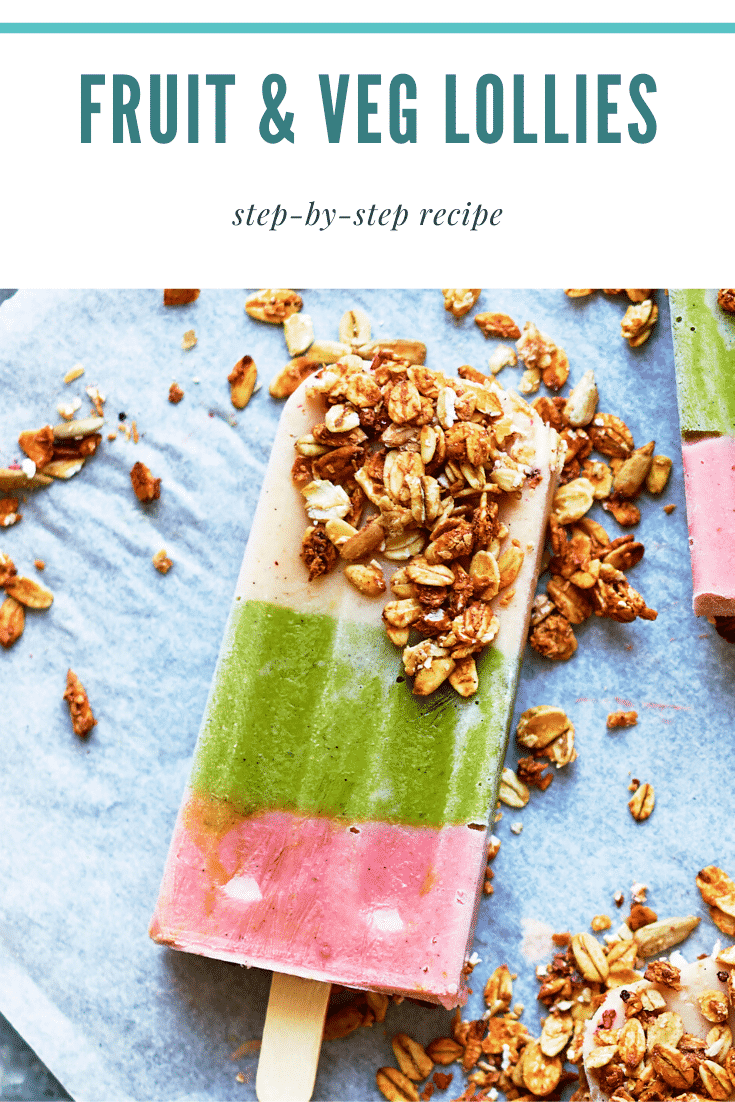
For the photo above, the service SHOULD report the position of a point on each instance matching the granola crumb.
(175, 394)
(161, 561)
(112, 436)
(600, 923)
(498, 325)
(39, 564)
(640, 916)
(318, 552)
(532, 773)
(273, 305)
(458, 301)
(516, 828)
(242, 381)
(669, 509)
(146, 487)
(12, 621)
(7, 569)
(68, 409)
(82, 719)
(97, 399)
(643, 802)
(73, 373)
(493, 847)
(179, 297)
(134, 431)
(9, 514)
(726, 299)
(189, 340)
(622, 719)
(554, 638)
(38, 445)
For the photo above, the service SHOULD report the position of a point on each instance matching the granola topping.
(432, 459)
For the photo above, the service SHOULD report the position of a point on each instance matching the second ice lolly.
(704, 350)
(335, 823)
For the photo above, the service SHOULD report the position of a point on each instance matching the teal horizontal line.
(367, 28)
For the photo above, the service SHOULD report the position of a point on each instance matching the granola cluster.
(584, 580)
(364, 432)
(548, 733)
(414, 465)
(726, 299)
(588, 568)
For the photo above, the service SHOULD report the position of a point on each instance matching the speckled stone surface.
(86, 826)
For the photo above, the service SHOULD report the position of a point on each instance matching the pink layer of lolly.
(371, 904)
(709, 478)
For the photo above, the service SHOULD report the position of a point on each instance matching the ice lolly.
(673, 1031)
(334, 826)
(704, 350)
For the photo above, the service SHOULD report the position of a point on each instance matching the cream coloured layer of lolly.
(334, 826)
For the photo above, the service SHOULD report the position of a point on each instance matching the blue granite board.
(85, 826)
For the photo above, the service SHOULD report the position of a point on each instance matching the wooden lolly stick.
(292, 1038)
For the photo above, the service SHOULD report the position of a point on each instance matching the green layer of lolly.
(312, 714)
(704, 353)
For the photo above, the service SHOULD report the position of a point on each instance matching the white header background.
(133, 215)
(177, 11)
